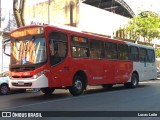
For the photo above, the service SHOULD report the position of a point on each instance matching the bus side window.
(112, 51)
(79, 47)
(51, 47)
(134, 53)
(74, 51)
(142, 55)
(96, 49)
(107, 52)
(123, 52)
(58, 47)
(151, 56)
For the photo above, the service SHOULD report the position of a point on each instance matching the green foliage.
(147, 25)
(158, 52)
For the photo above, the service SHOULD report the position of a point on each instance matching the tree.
(11, 25)
(157, 52)
(147, 25)
(19, 12)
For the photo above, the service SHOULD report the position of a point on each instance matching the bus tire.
(133, 83)
(107, 86)
(127, 85)
(78, 86)
(47, 90)
(4, 89)
(134, 80)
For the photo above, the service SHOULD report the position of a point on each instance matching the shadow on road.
(61, 94)
(29, 98)
(95, 90)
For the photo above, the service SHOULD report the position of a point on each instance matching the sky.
(135, 5)
(144, 5)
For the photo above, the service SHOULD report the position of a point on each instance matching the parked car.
(4, 87)
(158, 72)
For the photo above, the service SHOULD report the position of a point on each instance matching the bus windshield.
(28, 51)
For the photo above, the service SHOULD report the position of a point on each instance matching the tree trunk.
(19, 12)
(22, 7)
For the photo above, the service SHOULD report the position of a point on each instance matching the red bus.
(51, 57)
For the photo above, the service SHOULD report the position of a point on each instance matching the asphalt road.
(95, 102)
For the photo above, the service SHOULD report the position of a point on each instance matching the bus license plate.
(20, 83)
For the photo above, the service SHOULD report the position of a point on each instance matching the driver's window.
(58, 47)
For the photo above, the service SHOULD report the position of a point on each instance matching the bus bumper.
(39, 82)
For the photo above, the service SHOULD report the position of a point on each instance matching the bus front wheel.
(4, 89)
(47, 90)
(78, 86)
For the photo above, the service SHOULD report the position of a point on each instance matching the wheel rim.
(4, 89)
(78, 85)
(134, 81)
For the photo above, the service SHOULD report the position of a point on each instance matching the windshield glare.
(29, 51)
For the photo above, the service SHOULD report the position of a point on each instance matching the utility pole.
(113, 11)
(0, 13)
(49, 2)
(1, 45)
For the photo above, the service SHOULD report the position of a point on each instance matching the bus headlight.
(38, 75)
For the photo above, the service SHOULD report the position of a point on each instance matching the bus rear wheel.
(78, 86)
(47, 90)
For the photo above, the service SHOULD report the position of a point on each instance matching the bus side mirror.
(7, 47)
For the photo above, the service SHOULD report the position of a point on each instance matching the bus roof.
(77, 31)
(139, 45)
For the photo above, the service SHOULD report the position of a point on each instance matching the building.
(112, 14)
(82, 14)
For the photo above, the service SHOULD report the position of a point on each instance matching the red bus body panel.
(97, 71)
